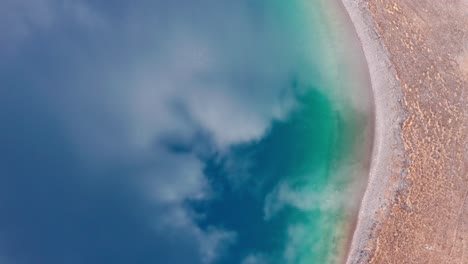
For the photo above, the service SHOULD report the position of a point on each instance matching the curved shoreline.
(424, 217)
(387, 144)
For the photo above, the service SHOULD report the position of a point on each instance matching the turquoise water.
(302, 155)
(296, 206)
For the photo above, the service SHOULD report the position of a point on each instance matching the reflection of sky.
(149, 132)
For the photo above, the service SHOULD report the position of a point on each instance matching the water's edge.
(387, 116)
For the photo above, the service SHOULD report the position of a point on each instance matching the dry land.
(415, 209)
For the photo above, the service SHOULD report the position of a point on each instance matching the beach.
(414, 209)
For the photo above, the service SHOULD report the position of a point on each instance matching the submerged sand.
(415, 207)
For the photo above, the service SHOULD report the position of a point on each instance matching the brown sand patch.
(427, 220)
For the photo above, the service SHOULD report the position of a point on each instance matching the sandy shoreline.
(388, 116)
(415, 207)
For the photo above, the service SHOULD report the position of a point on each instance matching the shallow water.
(297, 202)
